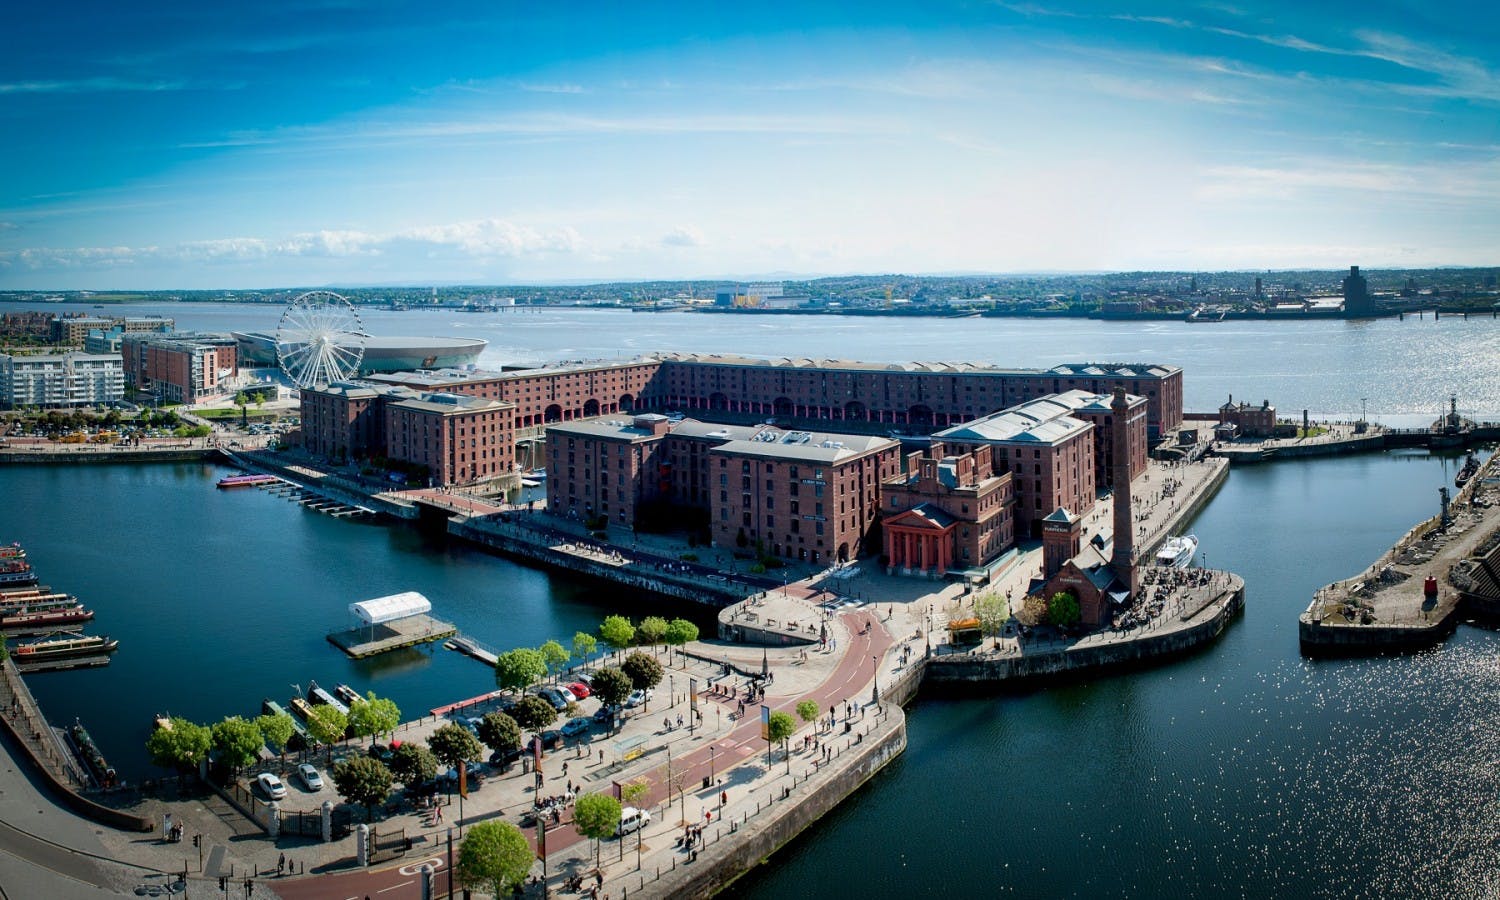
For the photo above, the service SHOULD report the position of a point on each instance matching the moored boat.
(89, 753)
(346, 693)
(62, 616)
(16, 572)
(10, 605)
(1177, 552)
(66, 647)
(14, 551)
(300, 709)
(235, 481)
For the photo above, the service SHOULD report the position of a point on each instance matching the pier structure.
(1412, 595)
(390, 623)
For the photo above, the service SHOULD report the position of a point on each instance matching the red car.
(580, 690)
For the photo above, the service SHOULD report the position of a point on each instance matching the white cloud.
(88, 85)
(683, 236)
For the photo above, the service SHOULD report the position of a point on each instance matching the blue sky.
(267, 144)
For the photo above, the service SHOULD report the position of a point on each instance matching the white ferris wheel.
(319, 339)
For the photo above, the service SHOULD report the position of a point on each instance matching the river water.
(1242, 770)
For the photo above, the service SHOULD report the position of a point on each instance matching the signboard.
(765, 723)
(693, 695)
(463, 779)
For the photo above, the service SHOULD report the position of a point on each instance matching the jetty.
(391, 623)
(470, 647)
(1412, 596)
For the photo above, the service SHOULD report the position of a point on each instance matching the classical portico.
(919, 541)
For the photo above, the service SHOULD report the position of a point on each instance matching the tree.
(807, 710)
(681, 631)
(181, 747)
(584, 645)
(453, 745)
(611, 686)
(494, 857)
(412, 764)
(364, 780)
(617, 632)
(634, 792)
(643, 671)
(992, 612)
(370, 715)
(596, 816)
(327, 725)
(780, 729)
(1062, 610)
(499, 731)
(241, 401)
(652, 630)
(520, 668)
(237, 742)
(554, 656)
(533, 713)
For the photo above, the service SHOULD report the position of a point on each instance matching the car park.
(271, 786)
(580, 690)
(555, 697)
(637, 697)
(606, 714)
(310, 777)
(576, 726)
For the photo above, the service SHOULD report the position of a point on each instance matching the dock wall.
(750, 844)
(976, 670)
(89, 455)
(519, 544)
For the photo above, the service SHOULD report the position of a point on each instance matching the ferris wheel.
(319, 339)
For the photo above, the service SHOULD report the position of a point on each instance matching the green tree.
(520, 668)
(652, 630)
(681, 631)
(499, 731)
(412, 764)
(181, 747)
(596, 816)
(1062, 609)
(633, 793)
(237, 742)
(611, 686)
(494, 857)
(554, 656)
(992, 612)
(584, 645)
(780, 729)
(242, 401)
(363, 780)
(533, 713)
(370, 715)
(278, 729)
(617, 632)
(453, 745)
(327, 724)
(643, 671)
(807, 710)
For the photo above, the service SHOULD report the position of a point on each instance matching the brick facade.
(947, 512)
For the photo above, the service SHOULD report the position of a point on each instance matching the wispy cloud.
(97, 85)
(683, 236)
(479, 239)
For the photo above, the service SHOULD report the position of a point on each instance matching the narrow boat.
(300, 739)
(236, 481)
(300, 708)
(16, 572)
(14, 551)
(322, 698)
(346, 693)
(12, 605)
(1177, 552)
(65, 647)
(63, 616)
(89, 753)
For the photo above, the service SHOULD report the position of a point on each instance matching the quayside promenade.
(1411, 597)
(864, 643)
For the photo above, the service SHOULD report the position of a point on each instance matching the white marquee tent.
(387, 609)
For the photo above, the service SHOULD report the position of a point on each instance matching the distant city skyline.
(349, 142)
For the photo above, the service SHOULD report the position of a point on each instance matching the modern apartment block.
(180, 367)
(60, 379)
(75, 329)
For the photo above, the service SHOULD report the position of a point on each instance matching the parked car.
(380, 752)
(576, 726)
(271, 786)
(586, 676)
(580, 690)
(606, 714)
(637, 697)
(502, 759)
(555, 697)
(632, 819)
(310, 777)
(551, 739)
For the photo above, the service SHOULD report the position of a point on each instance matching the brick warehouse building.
(797, 494)
(558, 393)
(947, 512)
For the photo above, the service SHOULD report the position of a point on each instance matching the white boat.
(1177, 552)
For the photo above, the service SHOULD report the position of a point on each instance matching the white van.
(632, 819)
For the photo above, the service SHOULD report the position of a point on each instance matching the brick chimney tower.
(1122, 560)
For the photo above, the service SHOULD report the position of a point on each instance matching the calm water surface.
(1244, 770)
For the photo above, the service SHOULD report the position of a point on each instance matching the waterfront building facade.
(947, 512)
(60, 379)
(75, 329)
(1248, 420)
(344, 422)
(1049, 453)
(181, 367)
(460, 440)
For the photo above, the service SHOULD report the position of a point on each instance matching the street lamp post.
(875, 680)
